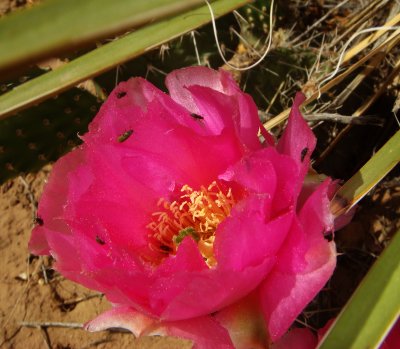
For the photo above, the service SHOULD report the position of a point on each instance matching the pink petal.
(287, 175)
(94, 238)
(121, 317)
(295, 292)
(297, 338)
(174, 274)
(250, 122)
(291, 258)
(205, 332)
(125, 286)
(81, 247)
(255, 173)
(245, 323)
(127, 106)
(223, 111)
(38, 242)
(337, 205)
(297, 139)
(299, 287)
(201, 91)
(53, 200)
(316, 216)
(180, 149)
(113, 193)
(198, 158)
(267, 171)
(178, 81)
(169, 292)
(217, 108)
(82, 260)
(225, 286)
(245, 238)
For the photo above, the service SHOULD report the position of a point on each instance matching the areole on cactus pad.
(185, 220)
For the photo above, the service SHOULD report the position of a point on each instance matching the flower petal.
(215, 96)
(245, 323)
(255, 173)
(316, 215)
(52, 202)
(297, 139)
(121, 317)
(128, 105)
(297, 338)
(205, 332)
(295, 292)
(179, 79)
(299, 286)
(185, 151)
(204, 292)
(267, 171)
(38, 243)
(246, 238)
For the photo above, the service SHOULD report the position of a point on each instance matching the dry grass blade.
(359, 20)
(361, 110)
(388, 26)
(365, 12)
(352, 86)
(319, 21)
(385, 46)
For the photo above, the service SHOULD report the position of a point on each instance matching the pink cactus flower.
(185, 220)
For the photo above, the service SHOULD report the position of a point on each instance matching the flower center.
(197, 213)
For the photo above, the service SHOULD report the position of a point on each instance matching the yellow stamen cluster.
(197, 213)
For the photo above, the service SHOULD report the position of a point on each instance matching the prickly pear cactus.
(43, 133)
(256, 17)
(284, 67)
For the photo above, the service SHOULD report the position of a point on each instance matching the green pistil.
(186, 232)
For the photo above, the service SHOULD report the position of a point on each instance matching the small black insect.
(121, 94)
(38, 221)
(99, 240)
(198, 117)
(303, 154)
(125, 136)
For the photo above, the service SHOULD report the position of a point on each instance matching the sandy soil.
(32, 294)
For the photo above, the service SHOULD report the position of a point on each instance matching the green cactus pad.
(41, 134)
